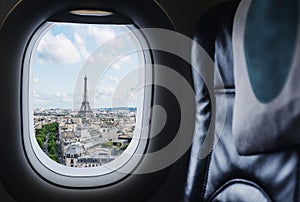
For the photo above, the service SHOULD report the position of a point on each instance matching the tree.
(53, 157)
(40, 141)
(52, 137)
(52, 150)
(51, 144)
(52, 130)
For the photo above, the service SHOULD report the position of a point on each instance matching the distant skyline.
(60, 56)
(101, 108)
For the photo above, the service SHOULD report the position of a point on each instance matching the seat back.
(225, 174)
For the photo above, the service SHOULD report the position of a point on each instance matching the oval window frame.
(83, 177)
(23, 182)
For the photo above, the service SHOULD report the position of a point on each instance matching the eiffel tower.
(85, 109)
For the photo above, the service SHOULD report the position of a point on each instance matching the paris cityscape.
(84, 138)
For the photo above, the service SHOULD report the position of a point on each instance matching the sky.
(66, 52)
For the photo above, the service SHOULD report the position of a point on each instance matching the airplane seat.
(244, 147)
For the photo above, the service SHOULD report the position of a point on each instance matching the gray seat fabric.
(224, 174)
(266, 39)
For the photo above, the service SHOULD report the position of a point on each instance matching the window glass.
(76, 69)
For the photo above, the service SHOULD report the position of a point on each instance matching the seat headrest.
(266, 48)
(214, 34)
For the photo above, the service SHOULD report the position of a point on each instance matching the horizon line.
(78, 108)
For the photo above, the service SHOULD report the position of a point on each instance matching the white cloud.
(121, 61)
(73, 45)
(58, 49)
(80, 43)
(40, 98)
(114, 79)
(59, 99)
(61, 95)
(100, 35)
(78, 39)
(36, 94)
(36, 79)
(125, 59)
(105, 90)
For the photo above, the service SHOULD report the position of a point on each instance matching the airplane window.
(76, 133)
(86, 96)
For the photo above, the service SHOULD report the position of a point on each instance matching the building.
(88, 161)
(72, 153)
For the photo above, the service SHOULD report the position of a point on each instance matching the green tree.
(52, 137)
(53, 157)
(52, 150)
(51, 144)
(40, 141)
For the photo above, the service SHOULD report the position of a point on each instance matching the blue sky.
(67, 52)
